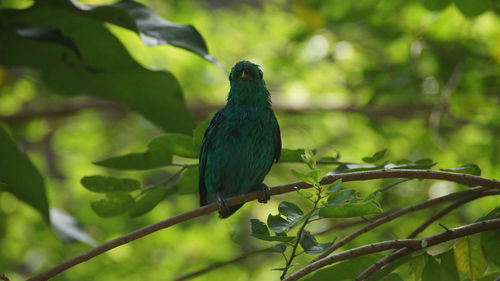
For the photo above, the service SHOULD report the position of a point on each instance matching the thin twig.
(448, 209)
(299, 235)
(410, 244)
(347, 224)
(217, 265)
(355, 176)
(390, 217)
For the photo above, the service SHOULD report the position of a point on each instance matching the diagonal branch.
(448, 209)
(470, 193)
(355, 176)
(405, 246)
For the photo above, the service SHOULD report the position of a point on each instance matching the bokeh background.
(420, 78)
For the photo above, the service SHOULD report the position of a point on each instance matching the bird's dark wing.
(206, 146)
(277, 140)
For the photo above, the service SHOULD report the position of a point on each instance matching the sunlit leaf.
(470, 258)
(156, 95)
(351, 210)
(107, 184)
(20, 176)
(471, 169)
(113, 205)
(149, 200)
(291, 155)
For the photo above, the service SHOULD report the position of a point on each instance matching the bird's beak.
(246, 76)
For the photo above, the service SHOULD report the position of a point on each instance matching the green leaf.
(432, 270)
(258, 227)
(291, 155)
(392, 277)
(199, 133)
(329, 160)
(338, 198)
(156, 95)
(188, 182)
(391, 183)
(335, 186)
(3, 185)
(149, 200)
(375, 157)
(46, 34)
(449, 271)
(471, 169)
(345, 270)
(157, 31)
(316, 175)
(115, 204)
(20, 176)
(435, 5)
(278, 248)
(310, 245)
(351, 210)
(138, 161)
(490, 241)
(469, 257)
(177, 144)
(302, 177)
(277, 223)
(290, 211)
(260, 231)
(405, 164)
(348, 168)
(473, 8)
(107, 184)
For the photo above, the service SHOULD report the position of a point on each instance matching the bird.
(241, 142)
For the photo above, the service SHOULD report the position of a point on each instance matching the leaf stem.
(301, 230)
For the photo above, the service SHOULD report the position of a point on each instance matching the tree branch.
(474, 192)
(410, 244)
(355, 176)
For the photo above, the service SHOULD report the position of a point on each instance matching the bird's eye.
(260, 73)
(230, 77)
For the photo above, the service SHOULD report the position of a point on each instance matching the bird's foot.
(223, 208)
(266, 194)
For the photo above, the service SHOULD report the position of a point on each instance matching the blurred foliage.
(102, 84)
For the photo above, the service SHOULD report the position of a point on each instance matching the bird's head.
(246, 72)
(247, 85)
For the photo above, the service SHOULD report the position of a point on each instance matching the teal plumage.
(241, 143)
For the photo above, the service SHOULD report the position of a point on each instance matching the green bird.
(241, 143)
